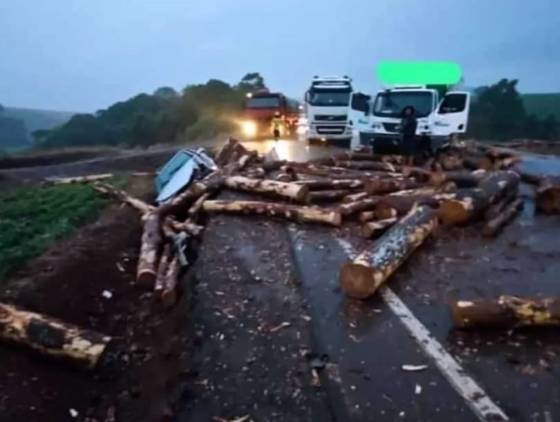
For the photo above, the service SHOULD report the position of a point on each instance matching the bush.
(209, 127)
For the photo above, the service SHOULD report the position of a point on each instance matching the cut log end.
(356, 280)
(453, 212)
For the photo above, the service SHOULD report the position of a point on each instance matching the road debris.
(414, 368)
(279, 327)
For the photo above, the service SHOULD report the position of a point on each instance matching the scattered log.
(506, 312)
(78, 179)
(367, 165)
(165, 260)
(354, 207)
(52, 337)
(383, 186)
(194, 210)
(492, 227)
(358, 196)
(122, 196)
(385, 213)
(185, 226)
(361, 277)
(331, 184)
(367, 216)
(403, 204)
(548, 196)
(375, 228)
(290, 191)
(326, 195)
(170, 293)
(149, 250)
(469, 204)
(289, 212)
(461, 178)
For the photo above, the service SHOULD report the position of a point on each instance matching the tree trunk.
(51, 337)
(331, 184)
(361, 277)
(122, 196)
(170, 292)
(383, 186)
(403, 204)
(506, 312)
(148, 257)
(290, 212)
(492, 227)
(326, 195)
(469, 204)
(194, 211)
(461, 178)
(358, 196)
(375, 228)
(367, 216)
(548, 196)
(290, 191)
(367, 165)
(354, 207)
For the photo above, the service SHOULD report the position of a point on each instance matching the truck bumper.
(391, 143)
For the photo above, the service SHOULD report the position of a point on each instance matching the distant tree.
(1, 108)
(251, 82)
(13, 133)
(550, 128)
(166, 92)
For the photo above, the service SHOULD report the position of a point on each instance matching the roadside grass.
(33, 218)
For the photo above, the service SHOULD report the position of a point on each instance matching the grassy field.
(32, 218)
(542, 104)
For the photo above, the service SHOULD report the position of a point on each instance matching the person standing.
(408, 134)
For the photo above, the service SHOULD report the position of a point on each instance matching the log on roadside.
(353, 197)
(469, 204)
(461, 178)
(506, 312)
(375, 228)
(361, 277)
(121, 195)
(289, 191)
(331, 184)
(367, 165)
(547, 198)
(493, 226)
(149, 250)
(170, 292)
(289, 212)
(383, 186)
(366, 204)
(165, 260)
(51, 337)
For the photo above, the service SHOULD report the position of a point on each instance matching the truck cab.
(327, 108)
(259, 110)
(440, 118)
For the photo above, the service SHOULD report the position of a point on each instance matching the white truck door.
(452, 114)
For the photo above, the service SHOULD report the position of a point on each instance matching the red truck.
(261, 107)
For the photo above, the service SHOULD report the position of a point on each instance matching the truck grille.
(330, 118)
(391, 127)
(331, 130)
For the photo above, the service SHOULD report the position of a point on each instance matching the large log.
(165, 260)
(375, 228)
(469, 204)
(290, 191)
(461, 178)
(361, 277)
(353, 197)
(383, 186)
(51, 337)
(170, 291)
(548, 196)
(149, 250)
(506, 312)
(493, 226)
(326, 195)
(290, 212)
(329, 184)
(367, 165)
(121, 195)
(403, 204)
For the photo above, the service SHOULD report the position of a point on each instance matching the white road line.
(476, 398)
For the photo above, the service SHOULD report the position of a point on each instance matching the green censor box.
(418, 73)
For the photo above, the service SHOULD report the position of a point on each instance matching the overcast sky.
(82, 55)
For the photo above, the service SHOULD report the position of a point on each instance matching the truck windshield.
(329, 98)
(263, 102)
(391, 104)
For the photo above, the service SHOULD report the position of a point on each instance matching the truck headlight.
(249, 128)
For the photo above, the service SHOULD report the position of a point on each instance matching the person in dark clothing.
(408, 133)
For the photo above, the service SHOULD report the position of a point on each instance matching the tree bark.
(492, 227)
(375, 228)
(367, 165)
(361, 277)
(149, 250)
(367, 216)
(194, 210)
(383, 186)
(122, 196)
(290, 191)
(358, 196)
(331, 184)
(506, 312)
(461, 178)
(548, 196)
(165, 260)
(51, 337)
(326, 195)
(289, 212)
(170, 292)
(362, 205)
(470, 204)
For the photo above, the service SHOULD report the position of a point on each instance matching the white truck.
(440, 118)
(327, 109)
